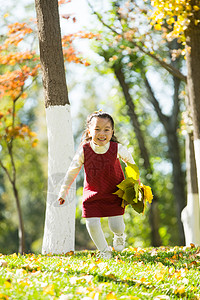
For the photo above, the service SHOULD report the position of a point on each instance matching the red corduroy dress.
(102, 173)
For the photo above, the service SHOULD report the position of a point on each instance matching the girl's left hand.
(61, 200)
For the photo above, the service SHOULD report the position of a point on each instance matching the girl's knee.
(93, 223)
(116, 224)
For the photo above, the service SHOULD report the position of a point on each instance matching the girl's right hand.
(61, 201)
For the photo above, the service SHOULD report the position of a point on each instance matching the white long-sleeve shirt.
(78, 162)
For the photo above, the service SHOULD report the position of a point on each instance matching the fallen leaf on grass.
(74, 279)
(70, 253)
(49, 289)
(3, 263)
(111, 296)
(7, 283)
(130, 297)
(161, 297)
(180, 290)
(193, 263)
(93, 267)
(111, 276)
(160, 274)
(3, 297)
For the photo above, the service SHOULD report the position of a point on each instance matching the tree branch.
(169, 67)
(163, 118)
(6, 171)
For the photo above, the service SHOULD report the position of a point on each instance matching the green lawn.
(151, 273)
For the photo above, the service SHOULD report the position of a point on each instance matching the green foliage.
(136, 273)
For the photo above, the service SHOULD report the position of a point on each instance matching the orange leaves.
(11, 83)
(69, 52)
(19, 57)
(21, 131)
(63, 2)
(16, 33)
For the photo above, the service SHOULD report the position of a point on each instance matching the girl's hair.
(98, 114)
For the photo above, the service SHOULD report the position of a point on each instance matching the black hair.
(98, 114)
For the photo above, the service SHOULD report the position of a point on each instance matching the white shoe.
(106, 254)
(119, 242)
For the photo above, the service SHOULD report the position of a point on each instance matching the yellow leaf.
(180, 290)
(119, 193)
(132, 171)
(93, 267)
(7, 284)
(130, 297)
(197, 8)
(157, 27)
(14, 255)
(49, 290)
(147, 193)
(159, 275)
(3, 297)
(111, 296)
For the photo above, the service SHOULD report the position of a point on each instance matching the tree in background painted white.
(59, 230)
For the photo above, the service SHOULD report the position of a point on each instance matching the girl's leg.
(117, 226)
(96, 233)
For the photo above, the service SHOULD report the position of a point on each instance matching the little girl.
(99, 153)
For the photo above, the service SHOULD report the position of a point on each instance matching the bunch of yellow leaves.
(132, 191)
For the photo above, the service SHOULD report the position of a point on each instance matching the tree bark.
(21, 232)
(153, 214)
(51, 54)
(59, 229)
(193, 78)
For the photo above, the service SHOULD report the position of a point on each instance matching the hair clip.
(97, 111)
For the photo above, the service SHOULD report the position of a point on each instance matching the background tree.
(13, 84)
(184, 18)
(121, 52)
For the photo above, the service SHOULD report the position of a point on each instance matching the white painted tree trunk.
(59, 230)
(191, 213)
(190, 219)
(197, 158)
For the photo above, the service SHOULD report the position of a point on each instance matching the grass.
(150, 273)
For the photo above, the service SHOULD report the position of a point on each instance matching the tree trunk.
(170, 126)
(190, 214)
(51, 54)
(179, 183)
(193, 79)
(153, 214)
(59, 227)
(21, 233)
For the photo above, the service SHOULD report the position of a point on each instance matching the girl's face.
(100, 130)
